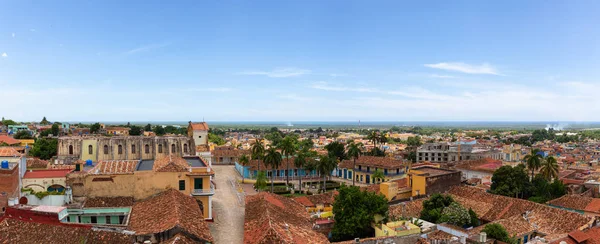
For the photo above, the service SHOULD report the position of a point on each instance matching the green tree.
(433, 207)
(244, 160)
(44, 148)
(309, 166)
(216, 139)
(355, 211)
(258, 151)
(325, 165)
(273, 160)
(288, 147)
(549, 168)
(135, 130)
(95, 128)
(474, 219)
(55, 129)
(412, 156)
(23, 135)
(159, 130)
(44, 121)
(354, 152)
(414, 141)
(373, 137)
(301, 161)
(498, 232)
(337, 150)
(8, 122)
(261, 181)
(510, 181)
(455, 214)
(378, 175)
(275, 138)
(148, 127)
(533, 160)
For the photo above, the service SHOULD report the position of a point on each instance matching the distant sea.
(561, 125)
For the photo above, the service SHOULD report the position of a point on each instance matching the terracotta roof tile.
(202, 126)
(411, 209)
(572, 201)
(379, 162)
(108, 202)
(9, 140)
(171, 164)
(114, 167)
(16, 231)
(9, 152)
(36, 163)
(272, 218)
(168, 210)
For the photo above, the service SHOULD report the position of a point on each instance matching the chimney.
(463, 239)
(356, 240)
(482, 237)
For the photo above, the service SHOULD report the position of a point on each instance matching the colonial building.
(71, 149)
(141, 179)
(448, 152)
(366, 166)
(227, 155)
(198, 131)
(428, 180)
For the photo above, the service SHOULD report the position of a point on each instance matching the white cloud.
(465, 68)
(338, 75)
(147, 48)
(4, 55)
(32, 30)
(13, 35)
(279, 72)
(326, 87)
(442, 76)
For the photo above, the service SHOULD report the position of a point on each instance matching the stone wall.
(123, 148)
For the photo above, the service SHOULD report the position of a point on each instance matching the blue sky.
(300, 60)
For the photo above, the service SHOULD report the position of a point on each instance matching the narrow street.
(228, 210)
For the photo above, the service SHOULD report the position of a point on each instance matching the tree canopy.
(433, 207)
(135, 130)
(44, 148)
(498, 232)
(95, 128)
(23, 135)
(509, 181)
(355, 211)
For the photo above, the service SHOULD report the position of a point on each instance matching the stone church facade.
(71, 149)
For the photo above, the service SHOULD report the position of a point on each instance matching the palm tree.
(244, 160)
(325, 165)
(273, 159)
(258, 151)
(288, 147)
(354, 152)
(374, 137)
(300, 162)
(549, 168)
(310, 166)
(533, 160)
(378, 174)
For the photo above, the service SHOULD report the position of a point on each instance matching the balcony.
(204, 192)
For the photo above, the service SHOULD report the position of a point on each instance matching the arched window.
(132, 148)
(105, 149)
(172, 148)
(120, 149)
(159, 148)
(185, 149)
(90, 149)
(147, 149)
(70, 149)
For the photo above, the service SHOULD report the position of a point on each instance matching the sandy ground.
(228, 210)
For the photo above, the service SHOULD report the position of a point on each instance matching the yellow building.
(366, 166)
(26, 142)
(141, 179)
(397, 228)
(429, 180)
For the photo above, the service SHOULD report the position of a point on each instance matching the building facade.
(447, 152)
(71, 149)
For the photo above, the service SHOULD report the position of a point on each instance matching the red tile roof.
(114, 167)
(17, 231)
(577, 202)
(203, 126)
(169, 210)
(9, 140)
(108, 202)
(36, 163)
(272, 218)
(9, 152)
(379, 162)
(171, 164)
(592, 236)
(410, 209)
(46, 173)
